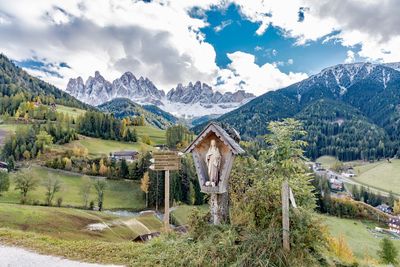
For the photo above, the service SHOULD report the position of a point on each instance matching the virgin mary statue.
(213, 160)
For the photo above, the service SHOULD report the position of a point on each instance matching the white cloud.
(158, 40)
(372, 24)
(290, 61)
(161, 41)
(350, 57)
(244, 73)
(223, 25)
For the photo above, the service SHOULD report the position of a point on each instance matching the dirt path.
(19, 257)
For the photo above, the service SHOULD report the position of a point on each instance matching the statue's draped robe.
(213, 159)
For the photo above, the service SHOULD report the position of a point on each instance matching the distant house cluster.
(3, 166)
(128, 155)
(349, 172)
(394, 225)
(336, 184)
(385, 208)
(318, 167)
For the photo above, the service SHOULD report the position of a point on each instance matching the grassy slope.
(63, 232)
(156, 135)
(326, 161)
(67, 223)
(58, 222)
(381, 175)
(11, 128)
(357, 234)
(98, 147)
(119, 194)
(73, 112)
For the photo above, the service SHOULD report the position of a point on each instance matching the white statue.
(213, 160)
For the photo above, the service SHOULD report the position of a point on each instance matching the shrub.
(91, 205)
(341, 249)
(59, 201)
(388, 252)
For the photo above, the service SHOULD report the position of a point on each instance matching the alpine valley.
(190, 101)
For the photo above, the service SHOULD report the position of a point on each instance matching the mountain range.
(351, 111)
(192, 100)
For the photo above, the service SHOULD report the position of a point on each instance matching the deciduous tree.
(144, 186)
(100, 185)
(52, 185)
(25, 182)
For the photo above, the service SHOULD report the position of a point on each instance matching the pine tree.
(124, 169)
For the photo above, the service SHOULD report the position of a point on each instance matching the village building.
(336, 184)
(385, 208)
(349, 172)
(3, 166)
(394, 225)
(128, 155)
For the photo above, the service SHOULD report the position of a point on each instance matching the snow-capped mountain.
(193, 100)
(98, 90)
(372, 90)
(339, 78)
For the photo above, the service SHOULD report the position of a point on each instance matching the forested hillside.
(17, 86)
(335, 128)
(123, 107)
(360, 118)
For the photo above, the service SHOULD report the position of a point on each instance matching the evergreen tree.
(124, 169)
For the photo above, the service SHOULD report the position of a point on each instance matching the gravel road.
(19, 257)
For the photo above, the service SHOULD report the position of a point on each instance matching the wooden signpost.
(166, 161)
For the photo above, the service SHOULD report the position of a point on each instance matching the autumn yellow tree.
(124, 129)
(17, 115)
(26, 155)
(94, 168)
(144, 186)
(103, 169)
(67, 164)
(396, 207)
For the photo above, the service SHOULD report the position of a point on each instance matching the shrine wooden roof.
(220, 133)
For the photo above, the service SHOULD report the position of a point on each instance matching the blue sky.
(273, 46)
(254, 45)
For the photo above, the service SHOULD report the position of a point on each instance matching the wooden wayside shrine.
(213, 152)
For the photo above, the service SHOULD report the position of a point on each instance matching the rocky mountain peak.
(98, 90)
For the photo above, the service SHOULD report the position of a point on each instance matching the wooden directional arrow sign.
(166, 160)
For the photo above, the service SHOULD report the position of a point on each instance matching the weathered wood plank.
(285, 215)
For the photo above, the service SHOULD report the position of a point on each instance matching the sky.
(254, 45)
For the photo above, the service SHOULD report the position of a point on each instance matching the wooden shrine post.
(285, 216)
(213, 152)
(166, 201)
(287, 199)
(166, 161)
